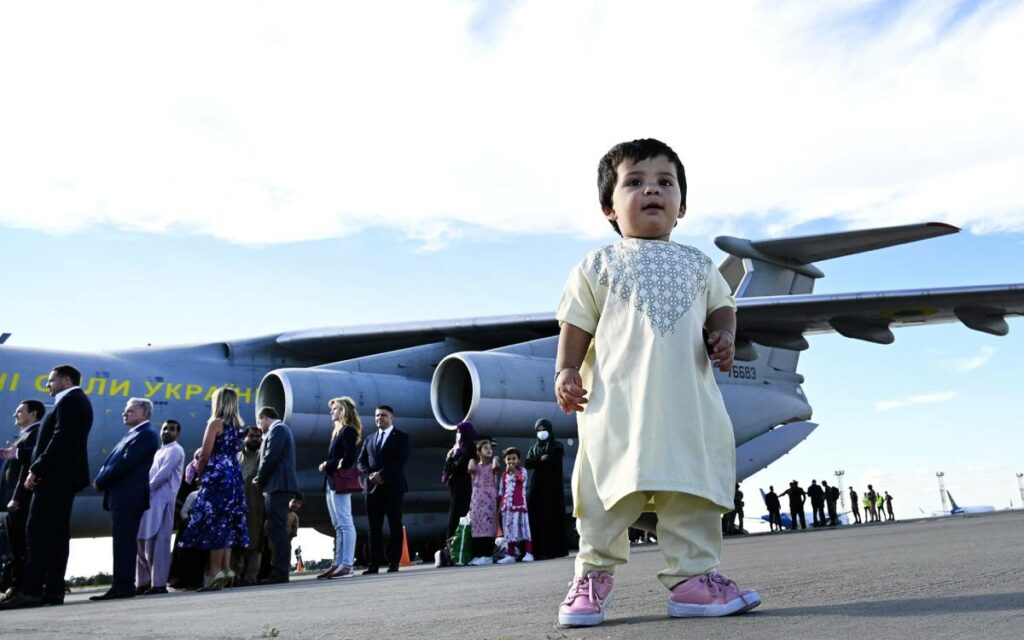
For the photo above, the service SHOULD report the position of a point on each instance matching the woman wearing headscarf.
(545, 499)
(456, 475)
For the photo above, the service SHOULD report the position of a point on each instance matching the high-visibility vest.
(867, 502)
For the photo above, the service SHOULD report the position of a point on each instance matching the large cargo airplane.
(497, 371)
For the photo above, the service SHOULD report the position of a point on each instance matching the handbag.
(459, 545)
(347, 480)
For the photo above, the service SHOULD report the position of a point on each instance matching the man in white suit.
(154, 540)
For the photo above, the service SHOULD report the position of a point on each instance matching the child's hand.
(722, 350)
(569, 391)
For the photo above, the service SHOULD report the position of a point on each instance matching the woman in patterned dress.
(217, 520)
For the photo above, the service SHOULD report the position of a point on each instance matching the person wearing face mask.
(545, 499)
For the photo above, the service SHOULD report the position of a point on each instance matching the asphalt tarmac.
(955, 577)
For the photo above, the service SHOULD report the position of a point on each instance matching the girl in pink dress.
(515, 521)
(483, 503)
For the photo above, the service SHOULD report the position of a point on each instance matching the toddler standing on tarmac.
(654, 434)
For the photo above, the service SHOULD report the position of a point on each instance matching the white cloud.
(930, 398)
(271, 122)
(963, 365)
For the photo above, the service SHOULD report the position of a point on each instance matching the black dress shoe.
(393, 569)
(371, 571)
(53, 601)
(19, 600)
(153, 591)
(113, 595)
(274, 580)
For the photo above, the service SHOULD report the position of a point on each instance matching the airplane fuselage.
(181, 380)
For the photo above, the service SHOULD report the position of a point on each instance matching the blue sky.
(301, 166)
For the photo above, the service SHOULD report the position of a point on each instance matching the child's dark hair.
(511, 451)
(635, 150)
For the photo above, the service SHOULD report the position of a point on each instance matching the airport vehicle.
(498, 371)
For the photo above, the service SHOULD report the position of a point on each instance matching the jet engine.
(505, 393)
(300, 396)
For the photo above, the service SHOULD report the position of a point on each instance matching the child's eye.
(633, 182)
(665, 182)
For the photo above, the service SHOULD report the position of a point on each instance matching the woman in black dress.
(456, 475)
(545, 498)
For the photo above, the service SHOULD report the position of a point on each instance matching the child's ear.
(682, 212)
(609, 213)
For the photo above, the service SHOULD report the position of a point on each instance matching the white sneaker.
(507, 560)
(479, 562)
(528, 557)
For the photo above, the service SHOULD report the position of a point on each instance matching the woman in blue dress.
(218, 520)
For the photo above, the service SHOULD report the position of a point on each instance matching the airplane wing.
(775, 321)
(342, 343)
(781, 321)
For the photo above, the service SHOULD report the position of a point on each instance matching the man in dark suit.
(382, 460)
(59, 470)
(18, 456)
(276, 476)
(124, 481)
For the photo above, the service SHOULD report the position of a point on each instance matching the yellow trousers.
(689, 531)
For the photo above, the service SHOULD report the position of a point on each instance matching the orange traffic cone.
(405, 562)
(299, 567)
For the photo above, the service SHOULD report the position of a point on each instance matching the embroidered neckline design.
(662, 279)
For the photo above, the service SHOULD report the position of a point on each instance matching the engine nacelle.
(300, 396)
(504, 394)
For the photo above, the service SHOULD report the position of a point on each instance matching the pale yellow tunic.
(655, 420)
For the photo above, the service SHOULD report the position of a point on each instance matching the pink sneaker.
(710, 595)
(587, 598)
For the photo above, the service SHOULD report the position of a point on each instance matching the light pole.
(839, 483)
(1020, 483)
(942, 490)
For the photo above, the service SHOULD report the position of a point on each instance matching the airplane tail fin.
(952, 502)
(784, 266)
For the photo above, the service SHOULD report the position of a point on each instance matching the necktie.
(380, 440)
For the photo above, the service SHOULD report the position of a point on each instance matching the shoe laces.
(718, 582)
(583, 586)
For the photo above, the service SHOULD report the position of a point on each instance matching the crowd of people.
(524, 502)
(823, 497)
(234, 504)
